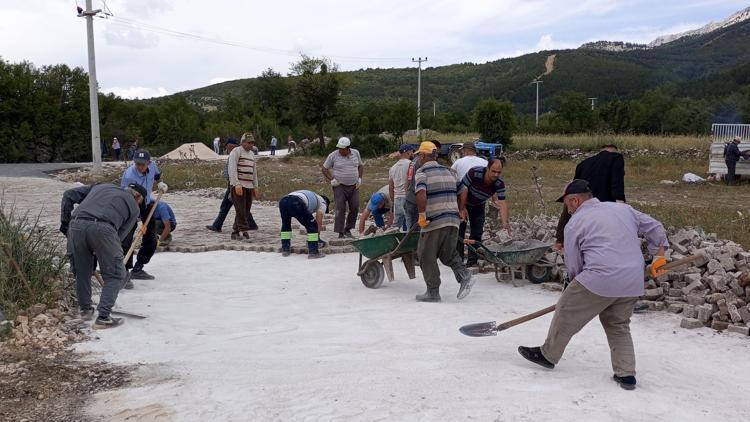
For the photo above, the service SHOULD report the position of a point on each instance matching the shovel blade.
(480, 329)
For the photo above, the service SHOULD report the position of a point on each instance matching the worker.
(731, 157)
(378, 206)
(343, 169)
(437, 204)
(308, 208)
(468, 160)
(603, 258)
(105, 216)
(165, 223)
(226, 201)
(478, 185)
(410, 202)
(397, 184)
(143, 172)
(243, 177)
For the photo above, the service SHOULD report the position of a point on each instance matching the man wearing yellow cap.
(437, 203)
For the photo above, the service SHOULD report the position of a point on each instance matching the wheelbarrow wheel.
(538, 274)
(373, 276)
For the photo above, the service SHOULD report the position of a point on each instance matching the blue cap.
(142, 156)
(232, 141)
(375, 200)
(406, 147)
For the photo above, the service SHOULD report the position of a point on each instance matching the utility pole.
(419, 93)
(593, 99)
(537, 82)
(433, 109)
(96, 151)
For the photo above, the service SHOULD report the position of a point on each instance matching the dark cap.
(232, 141)
(405, 147)
(142, 156)
(576, 186)
(140, 189)
(469, 145)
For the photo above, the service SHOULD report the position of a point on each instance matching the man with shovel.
(603, 258)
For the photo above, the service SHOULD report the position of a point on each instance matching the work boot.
(285, 253)
(245, 237)
(534, 354)
(431, 295)
(236, 236)
(467, 281)
(640, 307)
(213, 229)
(87, 314)
(341, 235)
(316, 255)
(140, 275)
(627, 383)
(348, 234)
(107, 322)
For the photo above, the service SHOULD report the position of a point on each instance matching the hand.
(423, 221)
(334, 182)
(143, 229)
(162, 187)
(359, 183)
(238, 190)
(463, 215)
(658, 262)
(64, 229)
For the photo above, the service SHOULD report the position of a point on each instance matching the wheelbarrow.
(381, 251)
(522, 259)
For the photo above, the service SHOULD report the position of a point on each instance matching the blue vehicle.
(484, 149)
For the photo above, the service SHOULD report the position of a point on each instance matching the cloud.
(147, 8)
(137, 92)
(128, 37)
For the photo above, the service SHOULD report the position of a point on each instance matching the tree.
(400, 116)
(575, 112)
(495, 120)
(317, 86)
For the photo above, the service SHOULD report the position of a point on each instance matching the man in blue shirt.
(145, 173)
(164, 223)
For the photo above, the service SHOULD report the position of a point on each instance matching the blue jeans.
(399, 215)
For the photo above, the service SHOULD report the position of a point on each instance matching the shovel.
(485, 329)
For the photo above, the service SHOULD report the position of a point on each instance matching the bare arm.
(422, 201)
(319, 222)
(362, 218)
(327, 174)
(167, 230)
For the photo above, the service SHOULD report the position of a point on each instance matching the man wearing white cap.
(343, 169)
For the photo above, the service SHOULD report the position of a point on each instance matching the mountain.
(738, 17)
(603, 73)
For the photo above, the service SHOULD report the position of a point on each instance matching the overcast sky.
(158, 47)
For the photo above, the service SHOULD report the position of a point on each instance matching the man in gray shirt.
(343, 169)
(106, 214)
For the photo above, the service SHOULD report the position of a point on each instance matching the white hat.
(344, 142)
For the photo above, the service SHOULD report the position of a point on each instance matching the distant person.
(605, 173)
(291, 146)
(274, 144)
(217, 145)
(243, 177)
(343, 169)
(397, 184)
(731, 157)
(116, 148)
(468, 160)
(226, 202)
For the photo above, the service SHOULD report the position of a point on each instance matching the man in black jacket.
(731, 156)
(605, 173)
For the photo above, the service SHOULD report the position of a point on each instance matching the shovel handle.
(521, 320)
(138, 234)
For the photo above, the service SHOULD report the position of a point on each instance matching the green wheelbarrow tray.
(520, 253)
(385, 248)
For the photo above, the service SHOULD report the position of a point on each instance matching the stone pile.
(579, 154)
(40, 328)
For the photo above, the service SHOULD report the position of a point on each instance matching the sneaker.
(316, 255)
(348, 234)
(467, 281)
(213, 229)
(140, 275)
(108, 322)
(534, 354)
(236, 236)
(430, 295)
(245, 236)
(87, 314)
(640, 307)
(285, 253)
(627, 383)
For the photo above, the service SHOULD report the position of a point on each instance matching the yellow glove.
(658, 262)
(238, 190)
(158, 243)
(423, 222)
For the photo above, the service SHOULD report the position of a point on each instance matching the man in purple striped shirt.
(604, 260)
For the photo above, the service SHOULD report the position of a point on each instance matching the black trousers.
(476, 223)
(731, 168)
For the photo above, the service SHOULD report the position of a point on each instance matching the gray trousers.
(345, 198)
(575, 308)
(439, 244)
(86, 238)
(411, 213)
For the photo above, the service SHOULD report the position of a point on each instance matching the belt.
(95, 220)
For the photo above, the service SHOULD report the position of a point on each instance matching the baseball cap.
(737, 139)
(376, 199)
(427, 147)
(142, 156)
(247, 137)
(344, 142)
(140, 189)
(405, 147)
(232, 142)
(576, 186)
(469, 145)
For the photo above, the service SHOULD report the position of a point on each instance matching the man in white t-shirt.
(397, 184)
(468, 160)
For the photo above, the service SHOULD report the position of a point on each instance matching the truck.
(452, 151)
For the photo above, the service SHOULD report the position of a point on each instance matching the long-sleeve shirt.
(132, 175)
(104, 202)
(733, 153)
(603, 249)
(242, 169)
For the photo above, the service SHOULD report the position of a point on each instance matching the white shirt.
(464, 164)
(216, 142)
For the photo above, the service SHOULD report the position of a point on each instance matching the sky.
(149, 48)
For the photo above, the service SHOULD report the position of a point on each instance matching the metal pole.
(592, 102)
(537, 101)
(419, 93)
(93, 91)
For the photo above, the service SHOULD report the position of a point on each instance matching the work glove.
(359, 183)
(162, 187)
(334, 182)
(64, 229)
(423, 221)
(463, 215)
(238, 190)
(658, 262)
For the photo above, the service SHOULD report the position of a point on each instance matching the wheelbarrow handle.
(403, 240)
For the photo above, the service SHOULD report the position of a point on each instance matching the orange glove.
(238, 190)
(423, 221)
(658, 262)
